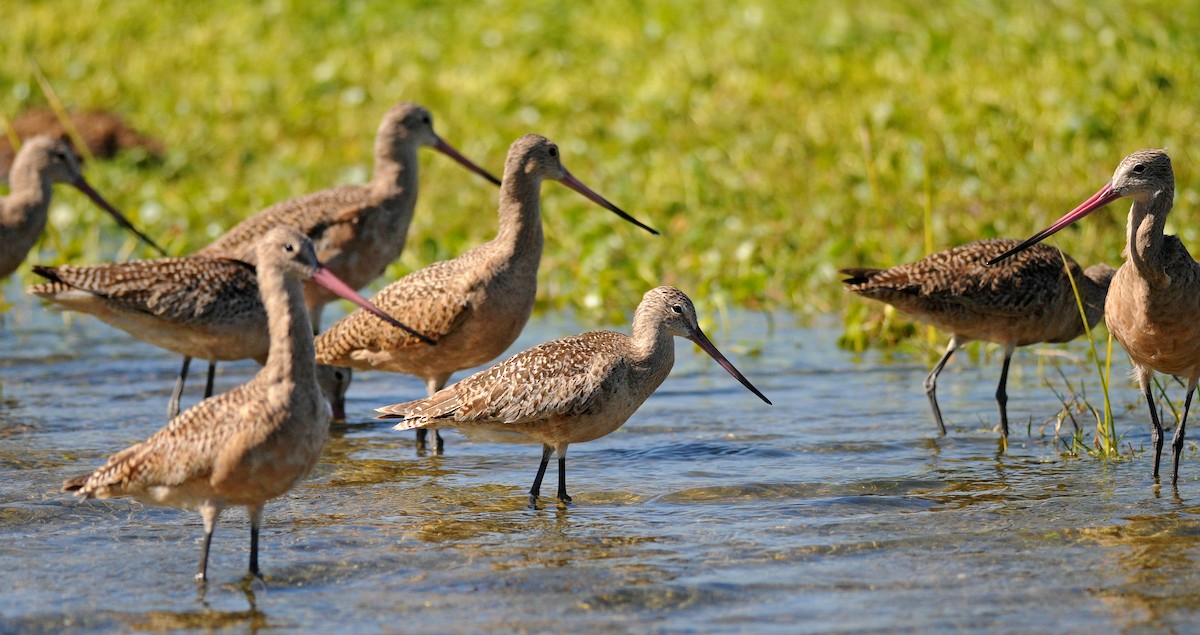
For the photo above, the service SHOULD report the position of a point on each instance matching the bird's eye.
(553, 151)
(426, 120)
(678, 309)
(288, 247)
(1139, 168)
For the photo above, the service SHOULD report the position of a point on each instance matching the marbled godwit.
(202, 307)
(475, 305)
(253, 443)
(358, 229)
(42, 162)
(568, 390)
(1027, 301)
(1153, 306)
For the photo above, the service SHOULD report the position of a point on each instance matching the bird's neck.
(24, 209)
(395, 170)
(651, 341)
(291, 355)
(1147, 222)
(394, 188)
(520, 232)
(1094, 296)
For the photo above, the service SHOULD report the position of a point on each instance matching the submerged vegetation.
(771, 142)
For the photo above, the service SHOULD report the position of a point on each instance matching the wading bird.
(1026, 301)
(358, 230)
(201, 307)
(475, 305)
(253, 443)
(568, 390)
(1153, 306)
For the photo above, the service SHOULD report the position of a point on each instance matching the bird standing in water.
(475, 305)
(1153, 306)
(1026, 301)
(253, 443)
(568, 390)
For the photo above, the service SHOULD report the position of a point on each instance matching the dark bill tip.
(575, 184)
(705, 345)
(83, 186)
(448, 150)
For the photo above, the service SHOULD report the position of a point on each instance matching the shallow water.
(835, 510)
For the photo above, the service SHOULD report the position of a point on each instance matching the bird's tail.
(49, 273)
(49, 289)
(402, 411)
(75, 484)
(406, 422)
(859, 275)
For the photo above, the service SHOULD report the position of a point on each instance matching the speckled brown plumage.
(248, 445)
(201, 307)
(184, 291)
(568, 390)
(1153, 306)
(40, 164)
(1026, 300)
(357, 229)
(475, 305)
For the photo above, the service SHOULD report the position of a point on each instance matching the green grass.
(1106, 443)
(771, 142)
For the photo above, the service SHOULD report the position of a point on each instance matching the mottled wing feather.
(562, 377)
(181, 290)
(433, 301)
(186, 449)
(958, 277)
(312, 214)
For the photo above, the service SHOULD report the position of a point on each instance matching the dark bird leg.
(562, 477)
(423, 436)
(256, 512)
(931, 383)
(1001, 394)
(212, 373)
(173, 405)
(1156, 435)
(536, 490)
(1177, 442)
(210, 513)
(432, 385)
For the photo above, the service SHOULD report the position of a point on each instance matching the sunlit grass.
(1105, 443)
(772, 143)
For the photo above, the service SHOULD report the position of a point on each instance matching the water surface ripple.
(836, 510)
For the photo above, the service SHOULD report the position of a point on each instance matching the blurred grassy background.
(771, 142)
